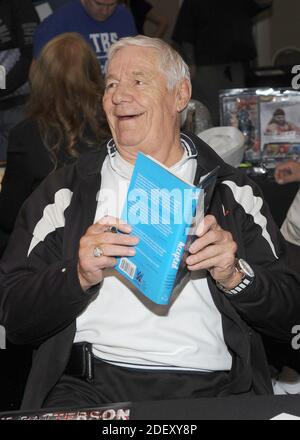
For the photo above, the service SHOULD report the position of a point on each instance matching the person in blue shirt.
(100, 22)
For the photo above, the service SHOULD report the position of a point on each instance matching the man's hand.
(214, 251)
(90, 268)
(287, 172)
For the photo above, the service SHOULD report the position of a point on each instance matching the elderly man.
(97, 339)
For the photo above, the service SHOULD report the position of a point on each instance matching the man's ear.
(183, 96)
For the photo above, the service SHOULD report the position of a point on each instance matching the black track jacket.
(41, 296)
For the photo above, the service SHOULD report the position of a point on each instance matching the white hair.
(171, 63)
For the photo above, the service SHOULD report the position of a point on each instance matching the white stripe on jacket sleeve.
(252, 205)
(53, 217)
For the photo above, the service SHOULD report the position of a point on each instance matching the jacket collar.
(207, 159)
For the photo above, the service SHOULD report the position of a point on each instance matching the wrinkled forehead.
(131, 58)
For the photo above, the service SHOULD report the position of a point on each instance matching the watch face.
(246, 268)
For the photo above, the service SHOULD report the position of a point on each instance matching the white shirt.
(127, 330)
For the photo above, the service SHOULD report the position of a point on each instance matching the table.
(222, 408)
(219, 408)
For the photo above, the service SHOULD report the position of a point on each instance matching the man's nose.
(121, 94)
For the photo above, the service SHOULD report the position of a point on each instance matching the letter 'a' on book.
(164, 212)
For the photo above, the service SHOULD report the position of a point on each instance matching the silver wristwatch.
(248, 277)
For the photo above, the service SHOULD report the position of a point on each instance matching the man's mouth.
(129, 117)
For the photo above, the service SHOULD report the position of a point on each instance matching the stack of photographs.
(268, 118)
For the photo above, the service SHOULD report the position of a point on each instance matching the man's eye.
(110, 86)
(139, 82)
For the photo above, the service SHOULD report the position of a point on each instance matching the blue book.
(164, 212)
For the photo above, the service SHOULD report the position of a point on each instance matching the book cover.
(207, 186)
(161, 209)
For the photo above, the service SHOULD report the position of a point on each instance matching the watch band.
(246, 282)
(242, 267)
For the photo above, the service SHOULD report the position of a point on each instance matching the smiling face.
(142, 113)
(100, 10)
